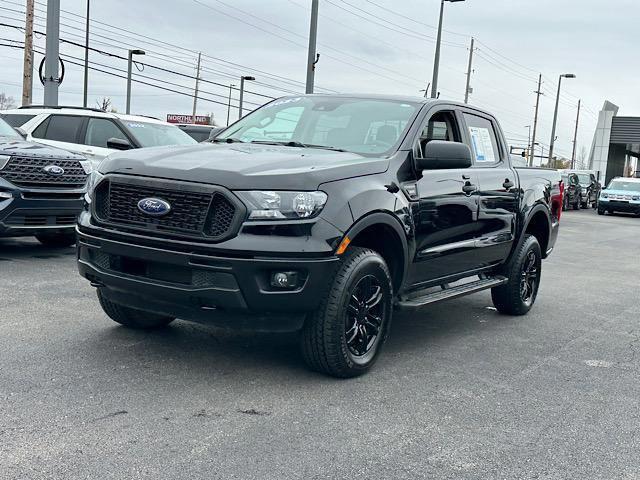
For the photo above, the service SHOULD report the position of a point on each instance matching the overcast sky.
(380, 46)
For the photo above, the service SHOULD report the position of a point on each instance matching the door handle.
(469, 188)
(508, 184)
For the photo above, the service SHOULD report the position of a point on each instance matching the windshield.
(364, 126)
(7, 130)
(624, 186)
(157, 134)
(584, 179)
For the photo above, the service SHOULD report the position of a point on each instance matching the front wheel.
(57, 240)
(601, 211)
(343, 338)
(517, 296)
(131, 317)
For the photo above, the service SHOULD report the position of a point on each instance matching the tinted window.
(61, 128)
(99, 130)
(16, 119)
(157, 134)
(7, 130)
(484, 143)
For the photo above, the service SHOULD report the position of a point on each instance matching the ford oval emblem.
(154, 207)
(54, 170)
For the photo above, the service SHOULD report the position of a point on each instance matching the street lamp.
(231, 86)
(242, 80)
(555, 115)
(130, 63)
(436, 61)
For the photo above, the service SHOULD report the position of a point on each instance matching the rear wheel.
(576, 206)
(57, 240)
(517, 296)
(131, 317)
(343, 338)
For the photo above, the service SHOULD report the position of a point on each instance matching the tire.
(585, 205)
(600, 211)
(517, 296)
(57, 240)
(340, 338)
(131, 317)
(576, 206)
(565, 204)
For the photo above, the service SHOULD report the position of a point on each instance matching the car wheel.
(517, 296)
(131, 317)
(585, 205)
(576, 206)
(565, 204)
(57, 240)
(600, 211)
(343, 338)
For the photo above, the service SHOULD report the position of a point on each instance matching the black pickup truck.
(41, 189)
(320, 213)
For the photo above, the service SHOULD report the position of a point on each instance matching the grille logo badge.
(154, 207)
(54, 170)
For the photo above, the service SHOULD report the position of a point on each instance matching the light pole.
(240, 102)
(555, 115)
(86, 59)
(436, 61)
(130, 63)
(229, 103)
(312, 57)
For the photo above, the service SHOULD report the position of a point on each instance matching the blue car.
(622, 195)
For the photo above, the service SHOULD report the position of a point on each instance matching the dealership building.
(616, 145)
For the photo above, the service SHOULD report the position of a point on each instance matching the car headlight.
(94, 178)
(605, 195)
(4, 159)
(270, 205)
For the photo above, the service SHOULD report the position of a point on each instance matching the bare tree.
(104, 104)
(582, 160)
(6, 102)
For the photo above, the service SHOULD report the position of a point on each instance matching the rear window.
(16, 119)
(624, 186)
(60, 128)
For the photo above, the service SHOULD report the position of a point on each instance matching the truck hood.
(12, 146)
(244, 166)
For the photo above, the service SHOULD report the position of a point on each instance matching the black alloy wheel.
(364, 317)
(530, 279)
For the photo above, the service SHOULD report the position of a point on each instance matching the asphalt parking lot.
(460, 391)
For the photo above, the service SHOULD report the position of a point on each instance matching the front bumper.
(229, 291)
(620, 206)
(31, 211)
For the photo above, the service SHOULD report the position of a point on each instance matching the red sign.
(200, 119)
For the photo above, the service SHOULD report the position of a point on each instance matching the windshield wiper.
(227, 140)
(293, 143)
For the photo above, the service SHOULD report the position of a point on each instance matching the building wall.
(601, 140)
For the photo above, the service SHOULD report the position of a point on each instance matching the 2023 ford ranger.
(320, 214)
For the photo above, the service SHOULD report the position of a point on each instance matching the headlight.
(86, 166)
(94, 178)
(605, 195)
(4, 159)
(268, 205)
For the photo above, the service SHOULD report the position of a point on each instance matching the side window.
(99, 130)
(441, 126)
(484, 143)
(61, 128)
(41, 129)
(280, 128)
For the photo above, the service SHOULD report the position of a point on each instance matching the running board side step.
(448, 292)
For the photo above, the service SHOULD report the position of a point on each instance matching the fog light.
(284, 279)
(4, 195)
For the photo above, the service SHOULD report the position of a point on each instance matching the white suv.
(92, 132)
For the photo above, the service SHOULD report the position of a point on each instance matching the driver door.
(446, 214)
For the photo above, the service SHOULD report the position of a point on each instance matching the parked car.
(41, 189)
(92, 132)
(622, 195)
(320, 213)
(572, 192)
(200, 133)
(590, 187)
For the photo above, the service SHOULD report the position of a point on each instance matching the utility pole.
(241, 99)
(575, 137)
(27, 69)
(538, 92)
(52, 50)
(312, 56)
(528, 151)
(86, 59)
(129, 65)
(466, 92)
(229, 103)
(195, 94)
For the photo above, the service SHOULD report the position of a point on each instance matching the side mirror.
(118, 144)
(214, 133)
(440, 155)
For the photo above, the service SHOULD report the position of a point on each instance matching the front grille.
(29, 172)
(18, 220)
(196, 211)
